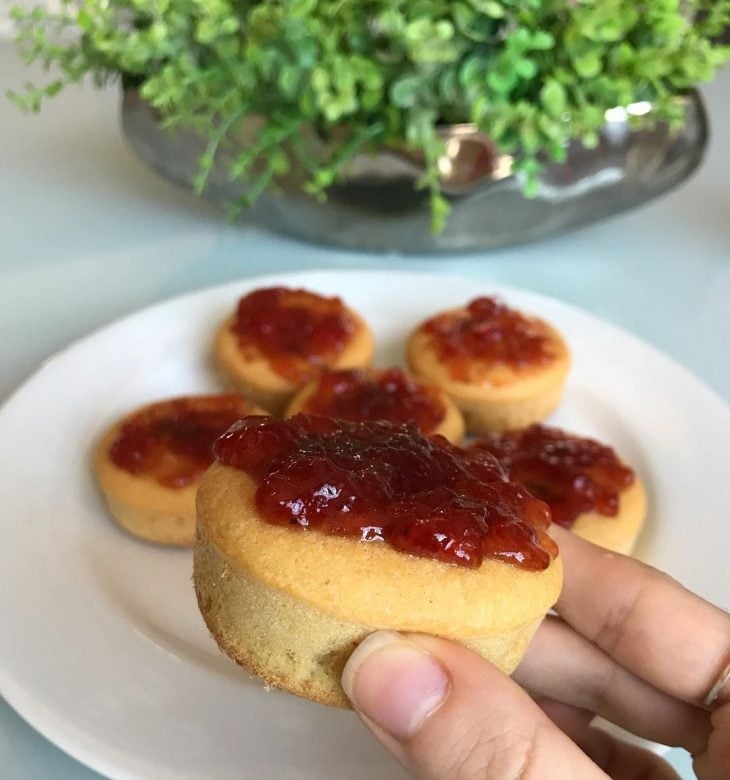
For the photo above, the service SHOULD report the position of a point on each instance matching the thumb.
(447, 713)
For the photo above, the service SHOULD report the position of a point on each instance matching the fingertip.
(394, 683)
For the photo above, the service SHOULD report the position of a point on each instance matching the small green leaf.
(288, 81)
(52, 89)
(320, 80)
(588, 65)
(542, 41)
(84, 20)
(302, 7)
(590, 139)
(404, 91)
(391, 21)
(529, 137)
(18, 100)
(449, 86)
(475, 26)
(525, 68)
(532, 187)
(558, 152)
(501, 81)
(489, 7)
(471, 73)
(440, 210)
(553, 97)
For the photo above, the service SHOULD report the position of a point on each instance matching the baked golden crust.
(290, 605)
(617, 533)
(139, 503)
(503, 397)
(452, 425)
(253, 375)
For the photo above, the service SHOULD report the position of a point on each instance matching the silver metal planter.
(375, 206)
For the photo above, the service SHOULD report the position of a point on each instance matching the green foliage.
(533, 74)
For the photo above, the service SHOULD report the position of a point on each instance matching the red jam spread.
(376, 481)
(361, 396)
(487, 333)
(571, 474)
(172, 441)
(297, 331)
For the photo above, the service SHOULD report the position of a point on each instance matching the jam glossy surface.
(360, 396)
(487, 333)
(172, 441)
(376, 481)
(297, 331)
(570, 473)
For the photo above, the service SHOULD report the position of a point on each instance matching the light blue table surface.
(89, 234)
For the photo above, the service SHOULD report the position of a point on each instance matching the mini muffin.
(585, 484)
(503, 369)
(314, 532)
(364, 395)
(280, 338)
(149, 464)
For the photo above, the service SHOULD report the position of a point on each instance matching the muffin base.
(161, 528)
(293, 645)
(498, 415)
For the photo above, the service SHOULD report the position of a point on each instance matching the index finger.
(643, 618)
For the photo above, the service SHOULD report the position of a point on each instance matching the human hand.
(630, 644)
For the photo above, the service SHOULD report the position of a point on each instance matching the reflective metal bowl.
(376, 206)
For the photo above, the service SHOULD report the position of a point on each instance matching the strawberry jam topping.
(487, 333)
(379, 482)
(361, 396)
(297, 331)
(172, 441)
(570, 473)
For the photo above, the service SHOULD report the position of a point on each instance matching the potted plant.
(489, 108)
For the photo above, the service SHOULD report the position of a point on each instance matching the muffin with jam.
(279, 339)
(369, 395)
(503, 369)
(314, 532)
(149, 463)
(588, 488)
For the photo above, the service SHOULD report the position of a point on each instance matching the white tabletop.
(89, 234)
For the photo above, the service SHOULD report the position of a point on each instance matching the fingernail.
(394, 683)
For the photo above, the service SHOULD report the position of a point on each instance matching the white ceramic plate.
(102, 648)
